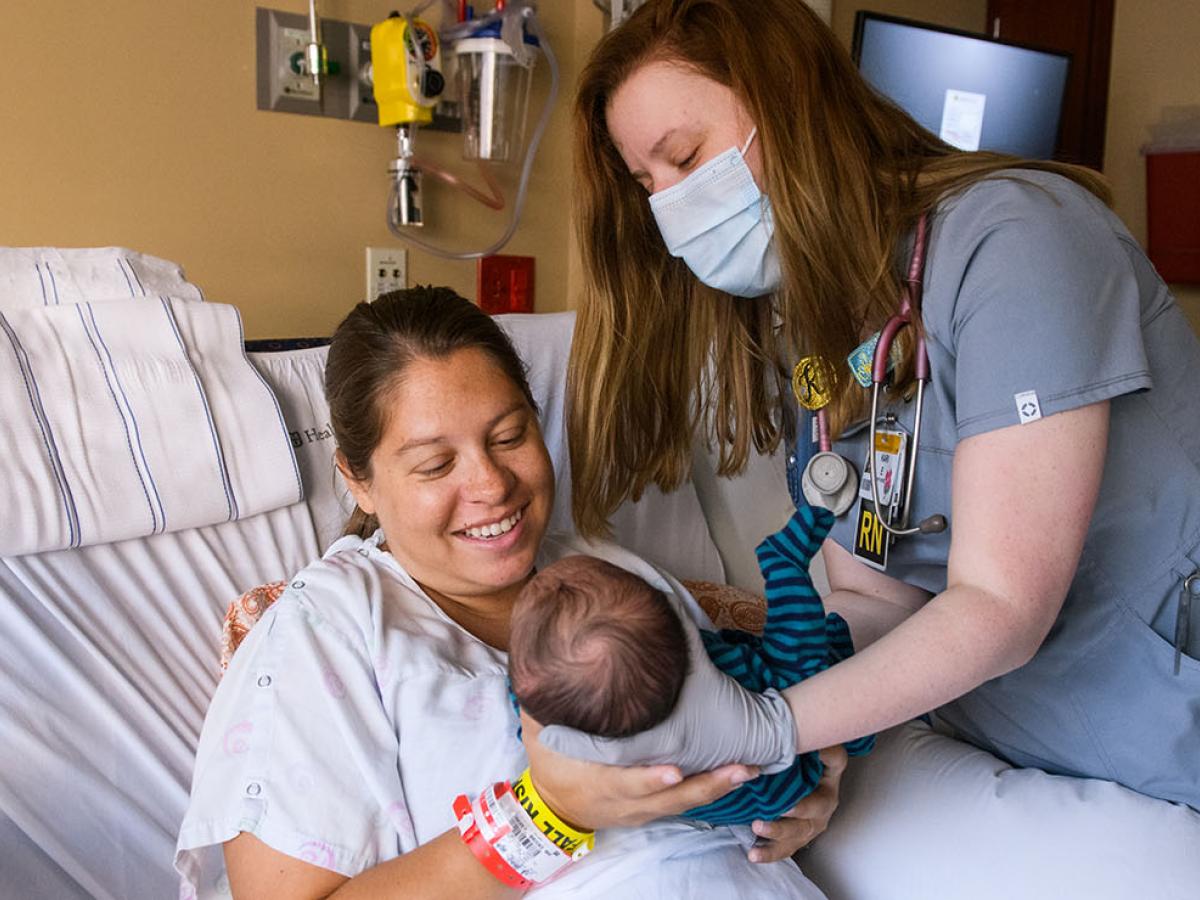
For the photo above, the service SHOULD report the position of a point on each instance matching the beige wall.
(135, 124)
(1154, 64)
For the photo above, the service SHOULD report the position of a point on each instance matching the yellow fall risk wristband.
(569, 840)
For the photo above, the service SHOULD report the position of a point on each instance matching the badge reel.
(828, 481)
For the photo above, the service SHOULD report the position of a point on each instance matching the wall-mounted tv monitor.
(973, 92)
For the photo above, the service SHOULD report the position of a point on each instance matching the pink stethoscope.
(829, 471)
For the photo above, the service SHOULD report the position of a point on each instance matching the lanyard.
(910, 311)
(828, 480)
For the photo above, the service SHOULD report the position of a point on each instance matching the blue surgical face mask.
(719, 223)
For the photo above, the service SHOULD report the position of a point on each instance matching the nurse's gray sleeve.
(1046, 301)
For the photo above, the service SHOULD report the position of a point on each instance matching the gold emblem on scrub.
(812, 383)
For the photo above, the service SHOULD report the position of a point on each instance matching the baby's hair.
(596, 648)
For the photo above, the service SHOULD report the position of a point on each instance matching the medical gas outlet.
(394, 74)
(284, 76)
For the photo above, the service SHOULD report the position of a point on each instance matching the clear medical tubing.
(494, 200)
(526, 168)
(411, 32)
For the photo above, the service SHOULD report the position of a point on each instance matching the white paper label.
(1028, 408)
(510, 831)
(962, 119)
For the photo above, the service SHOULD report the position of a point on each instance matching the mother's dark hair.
(372, 348)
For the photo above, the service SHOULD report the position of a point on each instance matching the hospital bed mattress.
(107, 662)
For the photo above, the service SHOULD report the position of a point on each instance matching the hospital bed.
(110, 616)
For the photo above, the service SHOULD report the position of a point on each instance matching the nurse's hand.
(715, 722)
(808, 819)
(591, 796)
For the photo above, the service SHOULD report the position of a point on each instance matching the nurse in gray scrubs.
(745, 201)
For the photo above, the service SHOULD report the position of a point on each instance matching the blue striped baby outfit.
(798, 641)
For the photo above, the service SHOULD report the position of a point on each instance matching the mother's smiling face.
(460, 481)
(438, 439)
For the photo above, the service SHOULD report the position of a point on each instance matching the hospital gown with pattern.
(355, 711)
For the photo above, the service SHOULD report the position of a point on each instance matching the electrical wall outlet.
(387, 270)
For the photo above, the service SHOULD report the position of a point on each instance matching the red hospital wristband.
(468, 829)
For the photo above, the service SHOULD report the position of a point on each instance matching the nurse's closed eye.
(511, 437)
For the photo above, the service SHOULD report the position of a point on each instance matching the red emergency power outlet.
(504, 284)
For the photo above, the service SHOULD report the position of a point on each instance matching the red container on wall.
(504, 284)
(1173, 214)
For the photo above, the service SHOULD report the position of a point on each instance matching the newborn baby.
(598, 649)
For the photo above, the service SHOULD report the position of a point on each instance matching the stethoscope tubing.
(910, 307)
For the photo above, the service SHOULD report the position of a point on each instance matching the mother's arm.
(588, 795)
(1022, 498)
(437, 869)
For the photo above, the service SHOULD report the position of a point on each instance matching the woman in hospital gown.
(374, 691)
(747, 200)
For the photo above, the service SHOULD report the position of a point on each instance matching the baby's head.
(596, 648)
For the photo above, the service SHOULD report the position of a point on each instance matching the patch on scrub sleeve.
(1028, 407)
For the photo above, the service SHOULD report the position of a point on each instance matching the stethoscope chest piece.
(829, 481)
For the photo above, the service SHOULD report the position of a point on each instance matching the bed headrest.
(669, 530)
(117, 419)
(130, 418)
(56, 276)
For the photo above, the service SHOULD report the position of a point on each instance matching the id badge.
(871, 540)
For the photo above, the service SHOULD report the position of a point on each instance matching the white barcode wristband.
(516, 837)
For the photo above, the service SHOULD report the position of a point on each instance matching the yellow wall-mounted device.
(405, 91)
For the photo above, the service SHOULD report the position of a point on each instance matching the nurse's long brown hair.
(657, 354)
